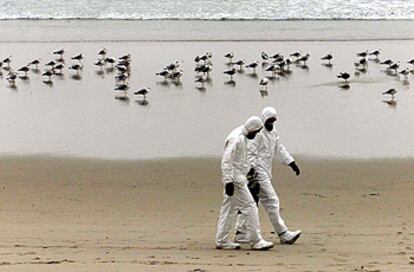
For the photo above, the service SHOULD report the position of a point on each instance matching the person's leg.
(226, 222)
(271, 204)
(248, 209)
(241, 233)
(270, 201)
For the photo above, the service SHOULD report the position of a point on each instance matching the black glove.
(251, 175)
(251, 172)
(229, 189)
(254, 188)
(295, 168)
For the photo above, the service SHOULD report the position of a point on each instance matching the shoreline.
(88, 30)
(220, 20)
(71, 157)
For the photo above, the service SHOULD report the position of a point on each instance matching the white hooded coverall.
(261, 151)
(234, 167)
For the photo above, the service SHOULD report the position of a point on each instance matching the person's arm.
(253, 151)
(227, 167)
(282, 153)
(284, 156)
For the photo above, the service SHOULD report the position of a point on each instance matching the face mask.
(269, 123)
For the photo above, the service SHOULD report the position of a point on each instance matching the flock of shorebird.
(277, 65)
(274, 66)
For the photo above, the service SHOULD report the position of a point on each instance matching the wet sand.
(80, 117)
(91, 215)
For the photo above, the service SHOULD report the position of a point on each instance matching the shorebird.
(394, 67)
(51, 63)
(391, 92)
(200, 79)
(278, 59)
(263, 83)
(296, 55)
(59, 53)
(253, 65)
(288, 63)
(205, 69)
(124, 62)
(230, 73)
(375, 53)
(173, 66)
(143, 92)
(163, 73)
(345, 76)
(11, 78)
(122, 87)
(58, 68)
(387, 62)
(230, 56)
(304, 59)
(121, 77)
(204, 58)
(283, 66)
(102, 53)
(76, 67)
(125, 57)
(176, 75)
(7, 60)
(328, 57)
(24, 69)
(411, 61)
(48, 74)
(100, 63)
(273, 69)
(35, 63)
(121, 68)
(405, 73)
(363, 54)
(363, 62)
(240, 63)
(110, 61)
(276, 56)
(209, 58)
(78, 57)
(264, 56)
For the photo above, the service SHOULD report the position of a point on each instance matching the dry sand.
(95, 215)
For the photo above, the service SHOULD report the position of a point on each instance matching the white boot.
(262, 245)
(289, 237)
(227, 245)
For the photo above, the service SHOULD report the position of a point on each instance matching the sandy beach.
(91, 183)
(90, 215)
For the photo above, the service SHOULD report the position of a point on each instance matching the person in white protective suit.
(260, 154)
(237, 197)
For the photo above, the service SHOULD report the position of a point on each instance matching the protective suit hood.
(253, 123)
(268, 112)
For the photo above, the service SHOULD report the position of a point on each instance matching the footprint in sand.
(340, 260)
(198, 270)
